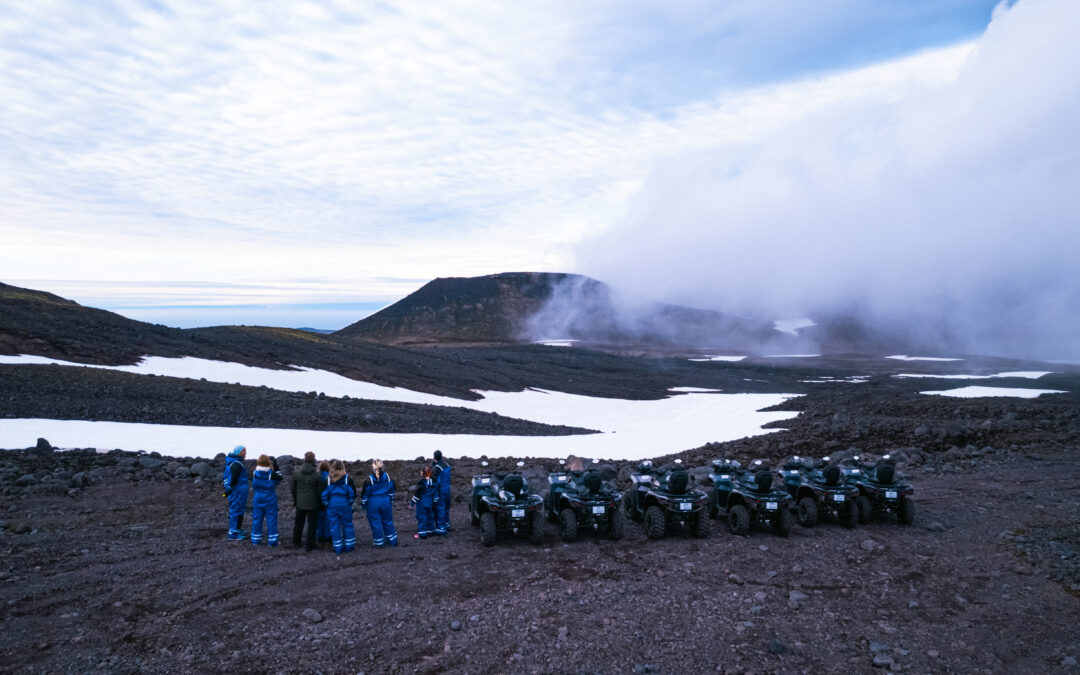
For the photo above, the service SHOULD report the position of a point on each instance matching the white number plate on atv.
(890, 494)
(685, 506)
(838, 498)
(598, 510)
(485, 481)
(517, 513)
(770, 506)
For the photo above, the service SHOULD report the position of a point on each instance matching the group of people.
(324, 498)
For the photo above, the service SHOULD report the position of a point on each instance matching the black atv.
(746, 497)
(820, 491)
(662, 497)
(584, 500)
(501, 504)
(881, 490)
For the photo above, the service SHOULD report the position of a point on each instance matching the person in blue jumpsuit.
(423, 501)
(377, 498)
(440, 473)
(339, 495)
(236, 490)
(264, 504)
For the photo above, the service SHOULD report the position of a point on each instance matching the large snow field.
(630, 429)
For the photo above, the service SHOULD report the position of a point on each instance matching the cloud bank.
(945, 211)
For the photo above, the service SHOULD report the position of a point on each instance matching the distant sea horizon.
(321, 317)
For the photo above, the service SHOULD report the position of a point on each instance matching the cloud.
(942, 210)
(152, 141)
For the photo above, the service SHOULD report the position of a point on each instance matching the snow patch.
(979, 392)
(903, 357)
(1027, 374)
(792, 326)
(720, 358)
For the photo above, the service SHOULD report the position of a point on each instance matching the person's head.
(438, 455)
(337, 469)
(264, 462)
(309, 457)
(425, 472)
(239, 452)
(574, 463)
(324, 465)
(377, 466)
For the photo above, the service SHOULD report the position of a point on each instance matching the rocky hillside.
(530, 306)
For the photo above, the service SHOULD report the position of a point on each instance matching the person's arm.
(292, 488)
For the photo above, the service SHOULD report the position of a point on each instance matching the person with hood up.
(307, 487)
(440, 473)
(338, 497)
(264, 504)
(423, 500)
(236, 491)
(377, 497)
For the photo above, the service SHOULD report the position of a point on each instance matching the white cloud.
(149, 142)
(941, 206)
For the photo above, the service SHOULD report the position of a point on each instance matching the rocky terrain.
(117, 562)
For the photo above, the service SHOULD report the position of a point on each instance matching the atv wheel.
(739, 520)
(536, 532)
(807, 512)
(784, 521)
(654, 522)
(851, 515)
(615, 528)
(702, 524)
(864, 509)
(906, 513)
(568, 524)
(487, 528)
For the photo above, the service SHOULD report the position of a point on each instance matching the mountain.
(530, 306)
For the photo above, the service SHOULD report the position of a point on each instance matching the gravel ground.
(131, 573)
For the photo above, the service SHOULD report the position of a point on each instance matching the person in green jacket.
(307, 487)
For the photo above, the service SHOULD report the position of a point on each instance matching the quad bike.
(583, 500)
(746, 497)
(820, 491)
(881, 490)
(502, 504)
(662, 498)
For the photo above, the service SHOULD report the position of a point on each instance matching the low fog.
(948, 216)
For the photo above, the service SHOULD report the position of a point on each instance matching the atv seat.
(592, 482)
(885, 473)
(514, 484)
(831, 474)
(677, 482)
(762, 481)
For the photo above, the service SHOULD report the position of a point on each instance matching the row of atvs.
(663, 499)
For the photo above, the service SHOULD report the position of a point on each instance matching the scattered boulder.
(311, 615)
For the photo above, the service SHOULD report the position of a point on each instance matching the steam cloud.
(950, 217)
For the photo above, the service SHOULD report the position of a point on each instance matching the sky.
(304, 165)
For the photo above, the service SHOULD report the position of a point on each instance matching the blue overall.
(322, 525)
(338, 497)
(264, 504)
(377, 499)
(425, 507)
(237, 491)
(442, 506)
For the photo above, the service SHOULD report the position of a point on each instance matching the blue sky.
(159, 158)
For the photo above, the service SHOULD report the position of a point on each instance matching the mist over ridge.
(946, 217)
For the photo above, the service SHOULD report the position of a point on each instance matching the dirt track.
(129, 576)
